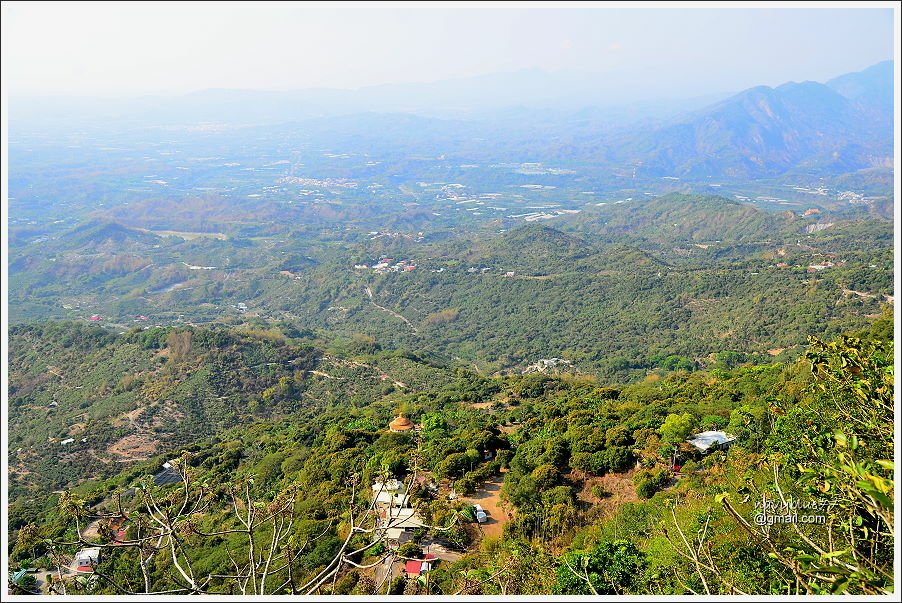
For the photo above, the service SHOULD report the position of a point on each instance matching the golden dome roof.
(401, 423)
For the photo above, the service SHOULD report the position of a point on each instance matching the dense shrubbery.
(614, 303)
(649, 481)
(824, 436)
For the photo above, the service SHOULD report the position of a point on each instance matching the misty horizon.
(481, 76)
(138, 50)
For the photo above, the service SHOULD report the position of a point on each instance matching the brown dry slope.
(489, 498)
(618, 488)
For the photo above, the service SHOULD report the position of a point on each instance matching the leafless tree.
(167, 523)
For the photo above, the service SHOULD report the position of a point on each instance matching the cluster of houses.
(376, 234)
(546, 364)
(385, 265)
(811, 268)
(318, 183)
(473, 269)
(98, 318)
(63, 441)
(823, 266)
(398, 520)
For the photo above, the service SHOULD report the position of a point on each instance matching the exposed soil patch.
(858, 293)
(24, 386)
(489, 498)
(618, 487)
(91, 531)
(134, 447)
(169, 414)
(129, 418)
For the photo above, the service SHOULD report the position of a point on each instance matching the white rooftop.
(397, 499)
(706, 439)
(393, 533)
(91, 553)
(391, 485)
(402, 518)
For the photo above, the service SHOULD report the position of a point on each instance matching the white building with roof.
(396, 520)
(86, 559)
(708, 441)
(390, 493)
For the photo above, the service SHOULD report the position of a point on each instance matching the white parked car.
(481, 515)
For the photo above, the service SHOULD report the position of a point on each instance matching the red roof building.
(412, 568)
(415, 568)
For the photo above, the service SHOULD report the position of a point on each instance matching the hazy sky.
(139, 48)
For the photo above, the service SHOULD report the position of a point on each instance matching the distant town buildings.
(385, 265)
(546, 364)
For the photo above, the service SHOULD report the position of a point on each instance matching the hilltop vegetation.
(121, 400)
(555, 442)
(680, 275)
(312, 351)
(677, 219)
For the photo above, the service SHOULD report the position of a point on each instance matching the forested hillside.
(681, 275)
(121, 400)
(593, 500)
(617, 321)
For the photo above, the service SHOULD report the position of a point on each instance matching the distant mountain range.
(835, 128)
(493, 96)
(871, 88)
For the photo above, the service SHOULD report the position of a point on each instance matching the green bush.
(649, 481)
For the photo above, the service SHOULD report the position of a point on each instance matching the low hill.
(686, 218)
(533, 247)
(85, 402)
(102, 234)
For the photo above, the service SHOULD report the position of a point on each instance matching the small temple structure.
(400, 424)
